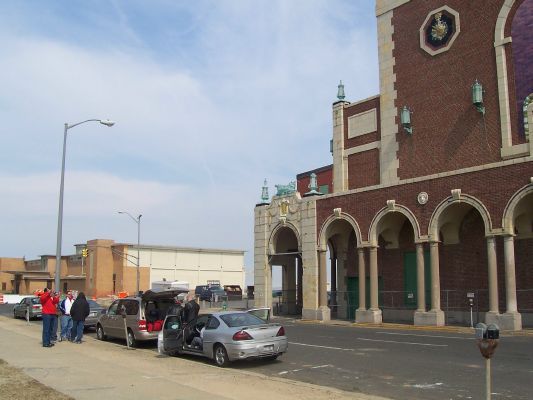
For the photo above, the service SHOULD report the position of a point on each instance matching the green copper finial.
(313, 186)
(264, 193)
(340, 91)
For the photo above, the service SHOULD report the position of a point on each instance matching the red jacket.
(49, 303)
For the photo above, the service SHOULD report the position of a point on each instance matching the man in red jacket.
(49, 301)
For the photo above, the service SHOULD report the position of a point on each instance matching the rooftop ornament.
(340, 91)
(264, 194)
(313, 186)
(283, 190)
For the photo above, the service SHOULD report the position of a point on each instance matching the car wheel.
(100, 335)
(272, 358)
(221, 356)
(131, 339)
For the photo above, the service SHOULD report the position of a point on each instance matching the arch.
(511, 206)
(434, 226)
(277, 229)
(328, 223)
(501, 68)
(392, 208)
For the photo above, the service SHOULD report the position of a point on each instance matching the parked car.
(95, 310)
(234, 292)
(210, 292)
(144, 316)
(228, 336)
(28, 308)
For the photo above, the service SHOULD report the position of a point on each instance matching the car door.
(109, 320)
(172, 334)
(18, 308)
(211, 335)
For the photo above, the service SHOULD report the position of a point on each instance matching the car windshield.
(241, 319)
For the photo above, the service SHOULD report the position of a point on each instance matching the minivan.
(144, 316)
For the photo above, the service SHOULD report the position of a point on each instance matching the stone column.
(372, 315)
(512, 319)
(334, 296)
(493, 275)
(342, 298)
(299, 282)
(374, 306)
(289, 297)
(420, 275)
(435, 316)
(362, 279)
(322, 280)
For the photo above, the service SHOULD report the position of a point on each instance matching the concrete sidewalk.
(108, 370)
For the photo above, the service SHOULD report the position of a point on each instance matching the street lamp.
(138, 222)
(105, 122)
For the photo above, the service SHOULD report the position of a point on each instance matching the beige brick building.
(111, 268)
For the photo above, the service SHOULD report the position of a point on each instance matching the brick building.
(111, 268)
(430, 200)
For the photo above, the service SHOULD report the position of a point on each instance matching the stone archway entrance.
(285, 255)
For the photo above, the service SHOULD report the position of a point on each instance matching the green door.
(410, 277)
(353, 294)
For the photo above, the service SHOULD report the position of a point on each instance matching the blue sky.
(209, 98)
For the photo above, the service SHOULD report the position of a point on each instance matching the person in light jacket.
(78, 312)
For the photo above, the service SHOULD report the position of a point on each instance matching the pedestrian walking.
(66, 320)
(78, 312)
(49, 313)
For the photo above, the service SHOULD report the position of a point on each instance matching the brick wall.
(448, 133)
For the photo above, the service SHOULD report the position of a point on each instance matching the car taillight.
(281, 332)
(142, 325)
(35, 306)
(242, 335)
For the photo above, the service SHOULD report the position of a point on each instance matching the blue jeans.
(66, 326)
(77, 331)
(53, 331)
(47, 328)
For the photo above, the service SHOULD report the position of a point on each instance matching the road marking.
(426, 385)
(431, 336)
(322, 347)
(301, 369)
(412, 343)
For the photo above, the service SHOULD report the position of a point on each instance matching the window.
(241, 319)
(172, 323)
(212, 323)
(113, 309)
(4, 286)
(324, 189)
(132, 306)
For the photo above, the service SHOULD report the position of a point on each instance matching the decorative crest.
(283, 190)
(440, 28)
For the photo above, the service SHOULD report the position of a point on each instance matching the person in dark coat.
(78, 312)
(191, 310)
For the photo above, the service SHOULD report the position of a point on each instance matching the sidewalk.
(107, 370)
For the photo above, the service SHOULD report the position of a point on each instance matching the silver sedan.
(225, 336)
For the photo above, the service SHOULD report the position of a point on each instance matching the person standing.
(66, 320)
(49, 312)
(78, 312)
(191, 310)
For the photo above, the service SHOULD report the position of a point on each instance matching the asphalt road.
(400, 364)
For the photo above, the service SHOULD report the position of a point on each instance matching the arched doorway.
(285, 257)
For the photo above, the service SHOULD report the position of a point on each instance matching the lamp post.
(138, 222)
(61, 189)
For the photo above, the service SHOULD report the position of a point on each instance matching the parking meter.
(488, 338)
(124, 314)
